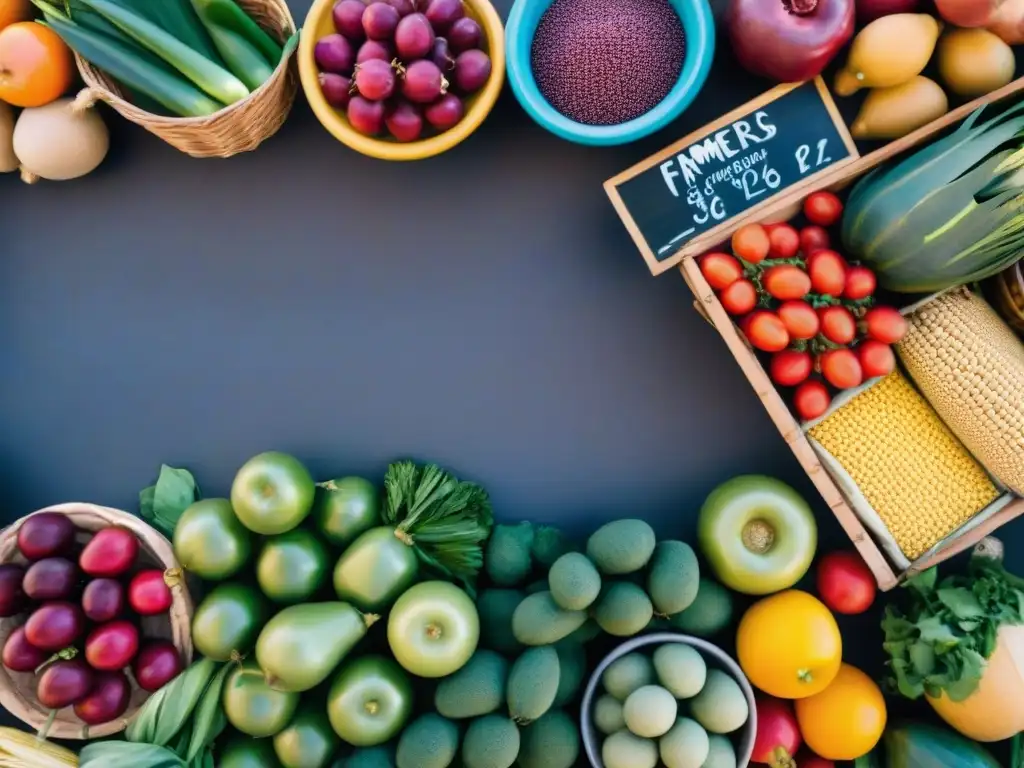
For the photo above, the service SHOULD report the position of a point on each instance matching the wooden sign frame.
(700, 242)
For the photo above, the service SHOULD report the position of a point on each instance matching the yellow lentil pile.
(911, 469)
(970, 367)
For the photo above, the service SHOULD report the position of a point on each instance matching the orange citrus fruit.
(789, 645)
(36, 66)
(12, 11)
(846, 720)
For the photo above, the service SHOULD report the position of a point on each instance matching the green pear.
(302, 644)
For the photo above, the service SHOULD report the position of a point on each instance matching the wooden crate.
(783, 208)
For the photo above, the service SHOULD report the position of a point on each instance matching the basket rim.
(91, 77)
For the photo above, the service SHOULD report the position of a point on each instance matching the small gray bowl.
(712, 654)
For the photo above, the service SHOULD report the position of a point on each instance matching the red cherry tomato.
(799, 318)
(823, 208)
(765, 331)
(739, 298)
(841, 368)
(812, 238)
(845, 583)
(885, 324)
(827, 270)
(837, 324)
(811, 399)
(789, 367)
(720, 270)
(783, 241)
(860, 283)
(778, 733)
(876, 358)
(786, 281)
(751, 243)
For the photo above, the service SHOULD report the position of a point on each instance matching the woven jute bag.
(18, 689)
(239, 127)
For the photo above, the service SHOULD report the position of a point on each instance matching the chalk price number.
(803, 154)
(769, 178)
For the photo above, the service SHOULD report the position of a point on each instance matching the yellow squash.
(890, 113)
(889, 51)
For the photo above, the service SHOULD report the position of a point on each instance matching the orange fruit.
(789, 645)
(36, 66)
(12, 11)
(846, 720)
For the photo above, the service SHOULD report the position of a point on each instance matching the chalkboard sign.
(691, 190)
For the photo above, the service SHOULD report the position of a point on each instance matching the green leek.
(949, 213)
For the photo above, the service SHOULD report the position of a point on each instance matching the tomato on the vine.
(885, 324)
(739, 298)
(799, 318)
(765, 331)
(751, 243)
(837, 324)
(720, 270)
(823, 208)
(827, 270)
(811, 399)
(812, 238)
(876, 358)
(841, 368)
(786, 281)
(783, 241)
(860, 283)
(790, 366)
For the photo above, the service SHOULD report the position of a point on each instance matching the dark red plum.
(156, 665)
(112, 646)
(336, 89)
(464, 34)
(404, 7)
(365, 116)
(445, 112)
(20, 655)
(380, 20)
(334, 53)
(55, 626)
(375, 80)
(46, 534)
(423, 82)
(404, 121)
(103, 600)
(63, 683)
(110, 552)
(12, 593)
(52, 578)
(348, 19)
(472, 68)
(414, 37)
(442, 14)
(374, 49)
(108, 699)
(148, 593)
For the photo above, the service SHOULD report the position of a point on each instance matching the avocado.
(720, 752)
(252, 706)
(680, 668)
(496, 607)
(686, 745)
(346, 507)
(229, 620)
(625, 750)
(623, 609)
(626, 674)
(539, 621)
(507, 559)
(574, 582)
(478, 688)
(720, 706)
(533, 684)
(549, 544)
(245, 752)
(622, 546)
(491, 741)
(553, 741)
(369, 757)
(308, 740)
(673, 577)
(572, 670)
(375, 570)
(710, 612)
(430, 741)
(650, 711)
(608, 714)
(292, 566)
(586, 632)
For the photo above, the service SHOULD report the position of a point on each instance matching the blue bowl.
(699, 28)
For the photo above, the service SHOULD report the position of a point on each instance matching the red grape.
(334, 53)
(374, 49)
(404, 121)
(445, 112)
(441, 55)
(464, 34)
(404, 7)
(414, 37)
(348, 19)
(472, 68)
(423, 82)
(336, 89)
(379, 21)
(365, 116)
(441, 14)
(375, 80)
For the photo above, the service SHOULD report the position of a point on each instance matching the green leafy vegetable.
(161, 504)
(125, 754)
(941, 640)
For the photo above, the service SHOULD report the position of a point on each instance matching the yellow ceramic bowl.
(319, 23)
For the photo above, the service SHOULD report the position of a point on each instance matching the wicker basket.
(17, 689)
(239, 127)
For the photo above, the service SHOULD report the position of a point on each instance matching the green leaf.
(208, 721)
(961, 602)
(922, 657)
(162, 504)
(125, 754)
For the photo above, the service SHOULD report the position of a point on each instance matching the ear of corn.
(25, 750)
(970, 367)
(911, 469)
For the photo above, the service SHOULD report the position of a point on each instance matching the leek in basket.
(947, 214)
